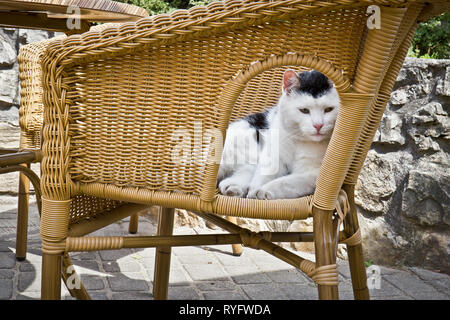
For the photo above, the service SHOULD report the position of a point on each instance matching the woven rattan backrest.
(170, 96)
(31, 106)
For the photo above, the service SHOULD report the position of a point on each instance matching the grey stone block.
(7, 260)
(215, 285)
(177, 277)
(200, 258)
(114, 255)
(442, 285)
(29, 281)
(132, 296)
(127, 266)
(205, 272)
(223, 295)
(92, 282)
(247, 274)
(182, 293)
(428, 275)
(6, 289)
(6, 274)
(263, 291)
(121, 282)
(408, 282)
(230, 260)
(428, 295)
(287, 276)
(299, 291)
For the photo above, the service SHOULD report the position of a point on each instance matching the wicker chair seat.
(137, 113)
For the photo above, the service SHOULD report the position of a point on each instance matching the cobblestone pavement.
(197, 273)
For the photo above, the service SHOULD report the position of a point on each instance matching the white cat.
(277, 154)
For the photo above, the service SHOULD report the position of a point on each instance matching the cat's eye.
(304, 110)
(329, 109)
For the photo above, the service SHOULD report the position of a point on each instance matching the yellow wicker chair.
(119, 103)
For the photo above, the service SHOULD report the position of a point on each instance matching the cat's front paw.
(230, 189)
(261, 194)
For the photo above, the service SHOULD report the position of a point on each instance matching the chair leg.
(134, 221)
(162, 258)
(237, 248)
(22, 217)
(325, 249)
(76, 288)
(51, 277)
(355, 253)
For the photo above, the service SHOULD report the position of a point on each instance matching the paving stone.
(287, 276)
(344, 270)
(263, 291)
(177, 277)
(98, 295)
(426, 295)
(392, 298)
(132, 296)
(114, 255)
(442, 285)
(205, 272)
(29, 281)
(83, 256)
(92, 282)
(146, 253)
(6, 274)
(29, 267)
(343, 295)
(428, 275)
(7, 260)
(408, 282)
(6, 289)
(120, 282)
(223, 295)
(215, 285)
(299, 291)
(35, 295)
(188, 251)
(230, 260)
(113, 266)
(247, 274)
(202, 258)
(182, 293)
(86, 264)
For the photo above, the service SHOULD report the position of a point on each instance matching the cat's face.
(309, 105)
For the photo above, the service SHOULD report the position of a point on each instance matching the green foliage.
(159, 6)
(432, 39)
(368, 263)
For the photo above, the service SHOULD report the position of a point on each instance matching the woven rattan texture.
(136, 106)
(128, 114)
(31, 110)
(31, 115)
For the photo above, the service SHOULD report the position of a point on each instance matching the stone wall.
(403, 190)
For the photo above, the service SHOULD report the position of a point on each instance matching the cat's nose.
(318, 127)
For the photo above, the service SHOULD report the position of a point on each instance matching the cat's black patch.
(314, 83)
(258, 120)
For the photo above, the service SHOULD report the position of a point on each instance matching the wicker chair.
(119, 101)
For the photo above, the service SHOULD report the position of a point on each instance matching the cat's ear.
(291, 81)
(331, 83)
